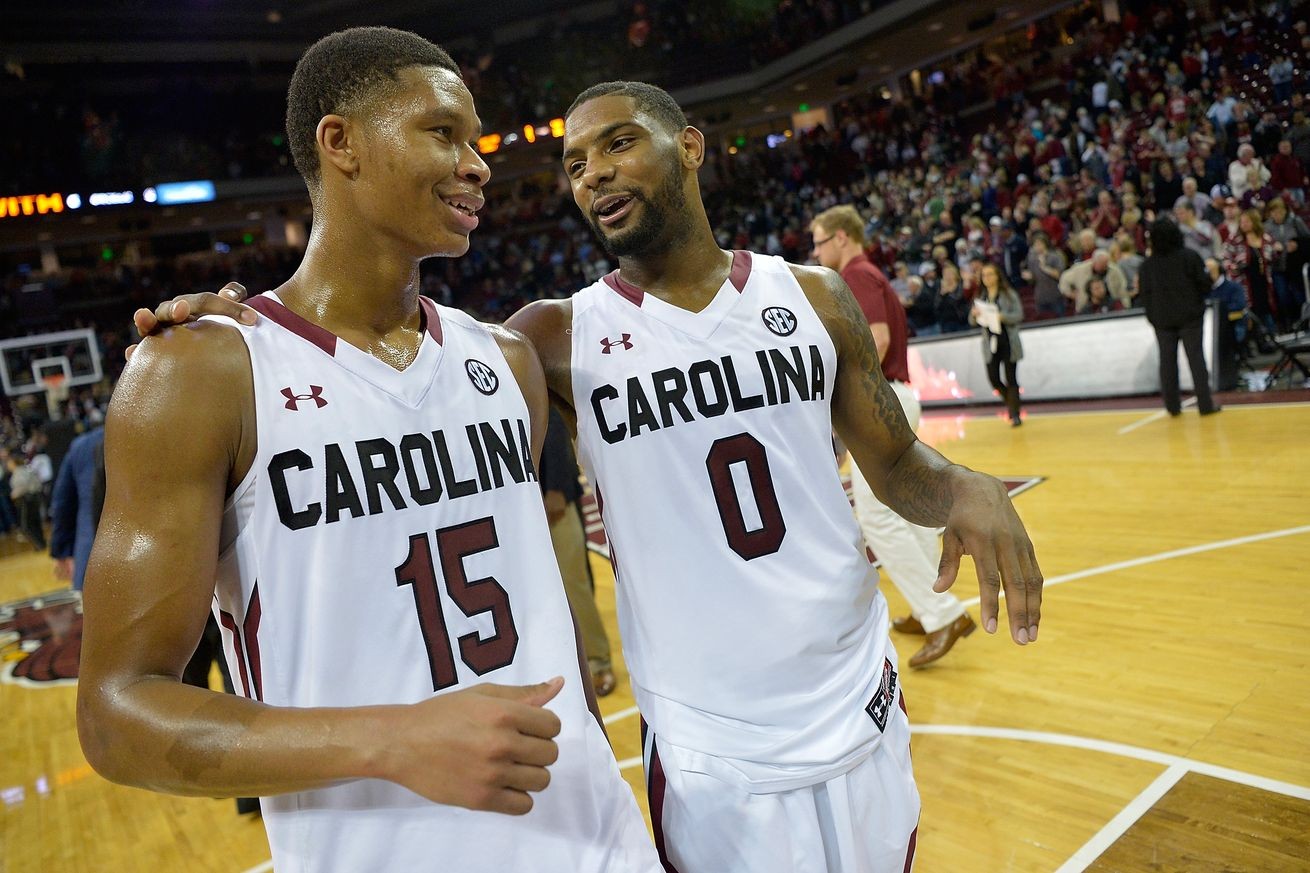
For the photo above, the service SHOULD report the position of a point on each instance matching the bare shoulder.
(188, 391)
(817, 280)
(203, 359)
(516, 348)
(834, 303)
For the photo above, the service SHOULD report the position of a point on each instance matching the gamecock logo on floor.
(41, 640)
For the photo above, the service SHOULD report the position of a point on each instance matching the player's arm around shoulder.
(527, 370)
(527, 366)
(547, 325)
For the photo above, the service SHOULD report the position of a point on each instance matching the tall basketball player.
(704, 386)
(351, 481)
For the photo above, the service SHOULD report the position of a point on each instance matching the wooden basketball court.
(1161, 722)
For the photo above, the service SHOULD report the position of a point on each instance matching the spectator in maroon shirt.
(1105, 220)
(1052, 226)
(1286, 173)
(908, 553)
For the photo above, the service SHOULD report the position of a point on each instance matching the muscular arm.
(914, 479)
(532, 382)
(179, 436)
(907, 475)
(151, 579)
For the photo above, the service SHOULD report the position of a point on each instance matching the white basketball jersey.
(389, 544)
(752, 623)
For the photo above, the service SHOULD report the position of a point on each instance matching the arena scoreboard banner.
(31, 204)
(163, 194)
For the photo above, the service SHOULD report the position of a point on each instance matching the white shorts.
(863, 821)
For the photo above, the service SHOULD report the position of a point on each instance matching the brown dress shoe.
(603, 681)
(939, 642)
(908, 625)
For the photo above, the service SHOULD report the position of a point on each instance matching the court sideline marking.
(1127, 817)
(1155, 416)
(1165, 556)
(979, 413)
(1176, 767)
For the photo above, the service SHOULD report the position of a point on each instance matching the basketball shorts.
(862, 821)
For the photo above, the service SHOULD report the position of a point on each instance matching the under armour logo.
(315, 394)
(780, 320)
(483, 377)
(608, 344)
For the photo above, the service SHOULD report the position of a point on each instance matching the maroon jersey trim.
(655, 787)
(741, 269)
(909, 851)
(307, 330)
(431, 318)
(737, 275)
(325, 339)
(250, 635)
(230, 623)
(631, 292)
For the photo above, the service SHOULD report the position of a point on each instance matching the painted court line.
(1127, 817)
(979, 413)
(1123, 750)
(1176, 767)
(1171, 762)
(620, 715)
(1165, 556)
(1156, 416)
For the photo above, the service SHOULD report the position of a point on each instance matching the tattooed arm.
(914, 479)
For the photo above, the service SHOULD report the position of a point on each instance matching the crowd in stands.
(1087, 130)
(1055, 181)
(32, 448)
(68, 133)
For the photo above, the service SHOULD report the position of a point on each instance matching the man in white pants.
(908, 552)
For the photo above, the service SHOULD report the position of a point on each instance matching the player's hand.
(189, 307)
(64, 568)
(485, 747)
(984, 524)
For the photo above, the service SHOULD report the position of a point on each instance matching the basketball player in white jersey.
(704, 386)
(350, 480)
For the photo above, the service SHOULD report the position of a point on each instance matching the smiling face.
(627, 174)
(419, 179)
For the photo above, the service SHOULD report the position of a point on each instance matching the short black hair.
(649, 98)
(1165, 236)
(337, 73)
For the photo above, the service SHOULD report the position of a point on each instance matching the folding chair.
(1293, 349)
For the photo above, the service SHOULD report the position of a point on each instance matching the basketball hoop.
(56, 392)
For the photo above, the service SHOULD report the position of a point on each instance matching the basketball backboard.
(24, 361)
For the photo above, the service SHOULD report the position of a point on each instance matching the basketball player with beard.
(350, 480)
(704, 386)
